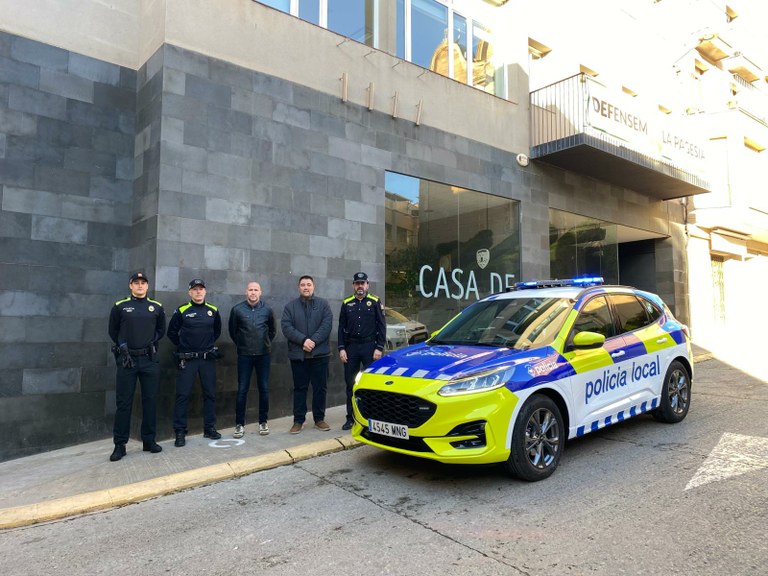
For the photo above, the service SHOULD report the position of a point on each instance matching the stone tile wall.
(67, 126)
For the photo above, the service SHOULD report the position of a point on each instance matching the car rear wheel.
(675, 394)
(537, 441)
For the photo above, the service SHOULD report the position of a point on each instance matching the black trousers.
(185, 380)
(359, 357)
(148, 374)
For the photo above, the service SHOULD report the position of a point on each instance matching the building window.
(429, 33)
(400, 27)
(581, 246)
(353, 19)
(484, 70)
(453, 246)
(309, 10)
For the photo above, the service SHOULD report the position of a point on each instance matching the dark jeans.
(305, 372)
(245, 366)
(359, 357)
(148, 373)
(185, 380)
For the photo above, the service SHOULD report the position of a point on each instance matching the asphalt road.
(637, 498)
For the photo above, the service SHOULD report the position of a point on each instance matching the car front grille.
(393, 407)
(416, 338)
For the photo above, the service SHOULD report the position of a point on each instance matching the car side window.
(595, 316)
(630, 312)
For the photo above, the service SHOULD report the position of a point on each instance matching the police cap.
(360, 277)
(196, 282)
(138, 276)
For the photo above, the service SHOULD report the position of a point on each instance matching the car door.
(649, 347)
(600, 380)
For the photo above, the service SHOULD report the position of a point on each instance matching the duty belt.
(213, 354)
(191, 355)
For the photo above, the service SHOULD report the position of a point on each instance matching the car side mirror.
(587, 340)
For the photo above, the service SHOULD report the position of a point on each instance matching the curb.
(131, 493)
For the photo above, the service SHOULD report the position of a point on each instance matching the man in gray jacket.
(306, 323)
(252, 329)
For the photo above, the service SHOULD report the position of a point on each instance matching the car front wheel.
(675, 395)
(537, 440)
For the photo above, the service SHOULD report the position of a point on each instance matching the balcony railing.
(558, 111)
(579, 124)
(750, 99)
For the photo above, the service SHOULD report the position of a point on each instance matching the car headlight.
(480, 382)
(400, 332)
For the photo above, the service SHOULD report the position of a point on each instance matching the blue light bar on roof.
(556, 283)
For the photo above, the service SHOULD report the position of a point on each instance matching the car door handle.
(618, 354)
(661, 340)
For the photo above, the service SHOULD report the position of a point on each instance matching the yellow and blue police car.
(514, 375)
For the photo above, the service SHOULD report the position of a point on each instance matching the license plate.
(388, 429)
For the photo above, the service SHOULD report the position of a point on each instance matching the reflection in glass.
(429, 28)
(483, 68)
(446, 247)
(460, 41)
(581, 246)
(353, 19)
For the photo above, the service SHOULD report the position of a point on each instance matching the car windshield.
(519, 323)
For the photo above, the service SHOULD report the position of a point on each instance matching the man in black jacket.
(362, 335)
(252, 329)
(194, 329)
(306, 323)
(136, 324)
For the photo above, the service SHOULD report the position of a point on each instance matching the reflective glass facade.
(446, 247)
(582, 246)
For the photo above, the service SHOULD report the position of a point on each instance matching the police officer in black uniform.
(194, 329)
(362, 334)
(136, 324)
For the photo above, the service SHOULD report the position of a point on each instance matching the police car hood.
(450, 362)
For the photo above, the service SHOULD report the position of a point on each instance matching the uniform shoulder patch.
(349, 299)
(123, 300)
(183, 308)
(211, 306)
(373, 297)
(154, 301)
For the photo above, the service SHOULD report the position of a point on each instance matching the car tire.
(675, 395)
(537, 440)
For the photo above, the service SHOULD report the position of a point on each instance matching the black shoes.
(348, 424)
(180, 439)
(153, 447)
(117, 453)
(212, 434)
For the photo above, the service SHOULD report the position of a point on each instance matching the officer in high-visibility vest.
(136, 324)
(362, 335)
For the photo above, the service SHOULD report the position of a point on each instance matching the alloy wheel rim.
(542, 438)
(678, 391)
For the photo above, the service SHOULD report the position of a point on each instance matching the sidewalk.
(80, 479)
